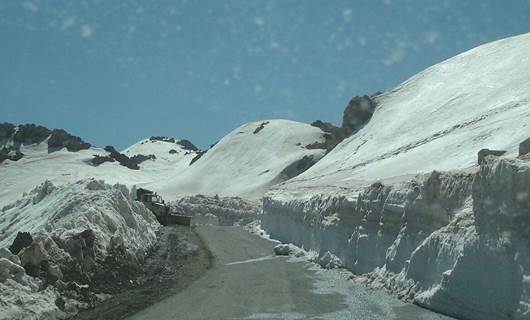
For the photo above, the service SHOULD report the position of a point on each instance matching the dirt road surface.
(248, 282)
(178, 259)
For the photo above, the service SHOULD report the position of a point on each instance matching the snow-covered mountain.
(454, 240)
(249, 160)
(245, 162)
(439, 119)
(33, 154)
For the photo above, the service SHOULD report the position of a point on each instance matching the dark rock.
(334, 135)
(201, 153)
(260, 127)
(297, 167)
(187, 145)
(184, 143)
(161, 138)
(482, 154)
(198, 156)
(61, 139)
(524, 147)
(30, 134)
(357, 113)
(13, 155)
(22, 240)
(97, 160)
(60, 303)
(172, 151)
(121, 158)
(6, 130)
(139, 158)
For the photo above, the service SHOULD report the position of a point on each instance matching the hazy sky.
(114, 72)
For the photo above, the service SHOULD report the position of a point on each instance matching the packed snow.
(438, 119)
(454, 240)
(74, 228)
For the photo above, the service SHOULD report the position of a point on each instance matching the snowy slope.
(439, 119)
(59, 167)
(454, 240)
(248, 160)
(169, 156)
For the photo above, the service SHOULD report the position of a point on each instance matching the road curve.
(248, 282)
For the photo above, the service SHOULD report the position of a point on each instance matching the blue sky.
(114, 72)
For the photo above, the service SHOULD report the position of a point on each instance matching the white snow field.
(242, 163)
(453, 240)
(57, 218)
(247, 161)
(169, 156)
(59, 167)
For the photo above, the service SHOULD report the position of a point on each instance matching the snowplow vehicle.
(162, 212)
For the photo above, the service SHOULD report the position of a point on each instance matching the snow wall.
(457, 243)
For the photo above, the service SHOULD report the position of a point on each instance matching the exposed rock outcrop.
(483, 153)
(524, 147)
(261, 127)
(22, 240)
(139, 158)
(13, 137)
(116, 156)
(357, 113)
(201, 153)
(184, 143)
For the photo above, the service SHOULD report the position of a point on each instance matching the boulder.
(32, 257)
(282, 250)
(329, 261)
(287, 250)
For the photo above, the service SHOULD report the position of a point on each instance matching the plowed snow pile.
(77, 229)
(454, 240)
(248, 160)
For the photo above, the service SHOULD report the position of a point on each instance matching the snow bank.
(456, 243)
(76, 228)
(225, 211)
(247, 161)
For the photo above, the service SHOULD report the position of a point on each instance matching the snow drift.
(454, 240)
(76, 229)
(224, 211)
